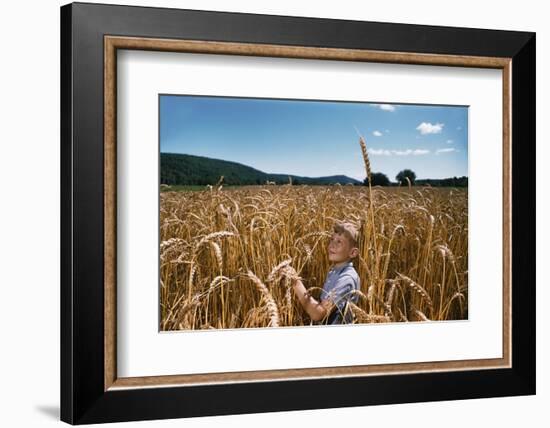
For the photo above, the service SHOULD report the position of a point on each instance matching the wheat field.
(223, 253)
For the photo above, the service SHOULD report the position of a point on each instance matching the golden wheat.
(413, 253)
(270, 302)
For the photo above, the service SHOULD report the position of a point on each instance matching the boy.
(341, 280)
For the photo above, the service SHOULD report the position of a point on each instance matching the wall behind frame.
(29, 226)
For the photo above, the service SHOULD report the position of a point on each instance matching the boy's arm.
(316, 310)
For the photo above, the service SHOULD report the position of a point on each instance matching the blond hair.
(349, 230)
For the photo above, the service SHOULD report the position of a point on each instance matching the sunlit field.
(223, 253)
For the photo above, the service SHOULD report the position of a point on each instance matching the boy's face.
(340, 248)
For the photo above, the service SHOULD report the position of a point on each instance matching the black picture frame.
(83, 397)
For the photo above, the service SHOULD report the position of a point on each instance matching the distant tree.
(400, 177)
(444, 182)
(378, 179)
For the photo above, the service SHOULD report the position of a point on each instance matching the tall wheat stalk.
(366, 161)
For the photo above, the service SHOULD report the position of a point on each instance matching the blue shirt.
(338, 286)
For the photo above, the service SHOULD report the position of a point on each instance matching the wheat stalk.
(212, 236)
(218, 253)
(361, 316)
(270, 302)
(365, 157)
(416, 287)
(421, 315)
(274, 274)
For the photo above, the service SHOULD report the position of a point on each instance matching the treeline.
(451, 182)
(182, 169)
(407, 176)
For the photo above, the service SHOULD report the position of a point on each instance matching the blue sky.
(318, 138)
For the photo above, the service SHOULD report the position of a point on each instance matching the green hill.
(181, 169)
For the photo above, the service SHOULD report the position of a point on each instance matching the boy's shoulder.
(348, 270)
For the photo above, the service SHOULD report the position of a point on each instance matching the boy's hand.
(291, 274)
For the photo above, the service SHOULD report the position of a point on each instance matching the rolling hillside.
(181, 169)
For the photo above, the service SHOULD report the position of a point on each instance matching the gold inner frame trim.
(112, 43)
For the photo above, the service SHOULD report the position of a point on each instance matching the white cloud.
(406, 152)
(402, 152)
(386, 107)
(377, 133)
(449, 141)
(379, 152)
(448, 150)
(428, 128)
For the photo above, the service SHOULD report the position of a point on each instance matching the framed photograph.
(264, 213)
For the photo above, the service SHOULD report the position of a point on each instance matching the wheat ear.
(270, 302)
